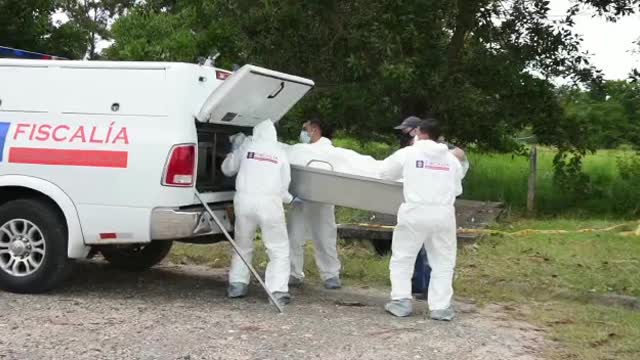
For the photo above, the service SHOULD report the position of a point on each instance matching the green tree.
(612, 9)
(154, 36)
(481, 66)
(90, 21)
(26, 24)
(609, 115)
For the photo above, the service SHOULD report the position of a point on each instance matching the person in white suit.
(432, 181)
(318, 217)
(262, 185)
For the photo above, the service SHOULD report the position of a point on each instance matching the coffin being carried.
(327, 174)
(346, 190)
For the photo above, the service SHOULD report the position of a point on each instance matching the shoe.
(443, 315)
(332, 283)
(399, 308)
(237, 290)
(296, 282)
(283, 298)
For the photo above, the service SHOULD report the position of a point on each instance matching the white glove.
(237, 140)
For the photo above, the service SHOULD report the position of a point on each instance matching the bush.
(377, 149)
(628, 188)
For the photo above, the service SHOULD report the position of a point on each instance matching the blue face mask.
(305, 138)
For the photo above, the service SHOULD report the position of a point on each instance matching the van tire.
(139, 257)
(38, 226)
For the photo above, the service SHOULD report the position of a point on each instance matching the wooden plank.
(469, 214)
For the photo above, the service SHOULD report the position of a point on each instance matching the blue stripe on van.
(4, 129)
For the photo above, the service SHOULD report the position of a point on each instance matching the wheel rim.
(22, 247)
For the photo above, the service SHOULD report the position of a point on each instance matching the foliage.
(569, 177)
(153, 37)
(599, 189)
(91, 19)
(613, 9)
(25, 24)
(604, 117)
(68, 40)
(377, 149)
(629, 169)
(28, 25)
(377, 61)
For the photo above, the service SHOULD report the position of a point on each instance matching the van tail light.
(180, 168)
(222, 75)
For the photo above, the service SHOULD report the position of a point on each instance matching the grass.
(550, 280)
(360, 265)
(581, 262)
(555, 276)
(589, 332)
(504, 177)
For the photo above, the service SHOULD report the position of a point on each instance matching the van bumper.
(187, 223)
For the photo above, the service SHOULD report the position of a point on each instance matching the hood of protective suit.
(265, 132)
(322, 141)
(431, 147)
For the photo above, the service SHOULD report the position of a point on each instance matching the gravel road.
(180, 312)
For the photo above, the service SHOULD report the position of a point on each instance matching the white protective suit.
(341, 160)
(432, 181)
(262, 185)
(319, 218)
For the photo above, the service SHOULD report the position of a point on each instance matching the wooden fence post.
(531, 191)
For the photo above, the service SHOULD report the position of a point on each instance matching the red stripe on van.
(108, 236)
(91, 158)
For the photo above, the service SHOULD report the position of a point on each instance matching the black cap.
(411, 122)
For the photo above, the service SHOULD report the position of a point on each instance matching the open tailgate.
(253, 94)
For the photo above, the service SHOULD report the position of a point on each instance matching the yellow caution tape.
(635, 232)
(527, 232)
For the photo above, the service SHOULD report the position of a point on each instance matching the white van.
(105, 157)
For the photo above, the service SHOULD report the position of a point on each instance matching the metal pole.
(237, 250)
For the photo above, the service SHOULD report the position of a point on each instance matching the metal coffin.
(346, 190)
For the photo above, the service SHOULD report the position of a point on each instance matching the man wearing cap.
(422, 270)
(408, 129)
(432, 177)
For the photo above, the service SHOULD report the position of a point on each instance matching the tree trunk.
(465, 22)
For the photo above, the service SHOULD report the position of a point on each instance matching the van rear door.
(253, 94)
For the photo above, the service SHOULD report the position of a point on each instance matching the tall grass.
(504, 177)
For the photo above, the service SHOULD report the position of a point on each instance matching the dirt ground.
(181, 312)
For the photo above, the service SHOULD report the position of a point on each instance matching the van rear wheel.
(33, 246)
(137, 257)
